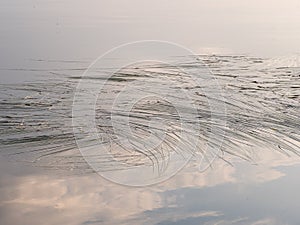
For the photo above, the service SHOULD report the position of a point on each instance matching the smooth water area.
(250, 48)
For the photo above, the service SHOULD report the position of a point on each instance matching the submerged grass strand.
(262, 103)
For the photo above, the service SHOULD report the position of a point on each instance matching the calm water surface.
(46, 46)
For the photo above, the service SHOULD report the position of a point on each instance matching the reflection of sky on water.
(66, 30)
(243, 194)
(72, 29)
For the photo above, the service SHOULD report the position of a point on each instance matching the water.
(251, 180)
(260, 148)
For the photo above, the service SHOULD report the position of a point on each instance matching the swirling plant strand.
(262, 99)
(167, 119)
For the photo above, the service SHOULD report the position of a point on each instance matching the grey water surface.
(251, 49)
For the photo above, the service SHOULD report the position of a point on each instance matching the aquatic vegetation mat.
(261, 97)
